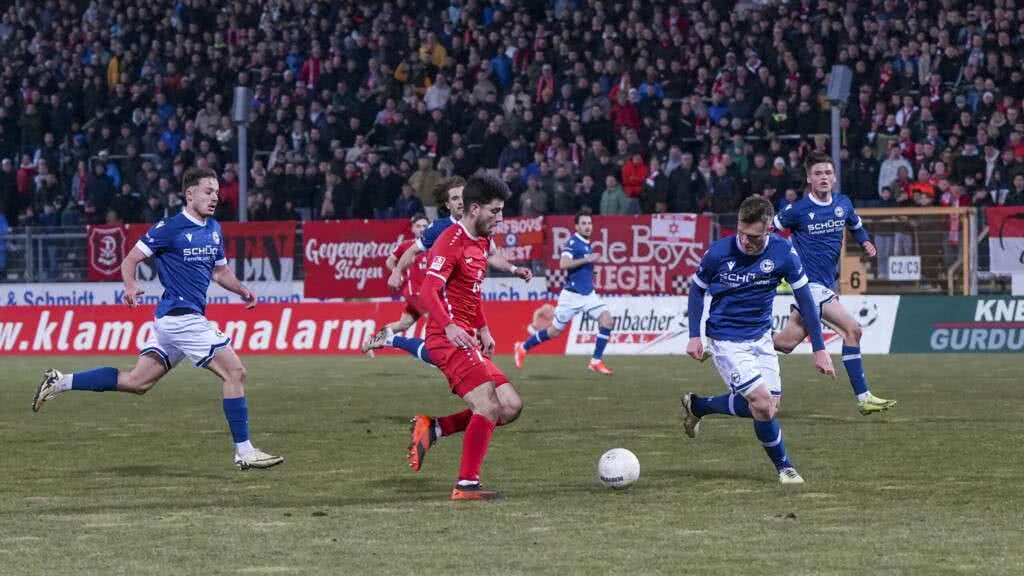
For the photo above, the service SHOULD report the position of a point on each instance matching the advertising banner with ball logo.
(876, 316)
(346, 258)
(645, 254)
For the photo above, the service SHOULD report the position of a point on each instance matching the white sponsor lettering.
(977, 339)
(332, 252)
(999, 311)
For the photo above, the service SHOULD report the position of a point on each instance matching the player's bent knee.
(761, 407)
(553, 331)
(511, 410)
(853, 334)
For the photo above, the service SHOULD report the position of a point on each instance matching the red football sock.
(454, 423)
(474, 447)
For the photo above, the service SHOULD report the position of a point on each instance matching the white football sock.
(64, 384)
(244, 447)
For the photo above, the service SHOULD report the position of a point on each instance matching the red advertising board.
(328, 329)
(645, 254)
(257, 251)
(345, 259)
(520, 239)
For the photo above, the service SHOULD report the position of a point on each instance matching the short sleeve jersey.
(415, 273)
(460, 260)
(742, 286)
(818, 230)
(580, 280)
(186, 251)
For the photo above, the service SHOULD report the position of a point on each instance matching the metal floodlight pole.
(241, 115)
(838, 93)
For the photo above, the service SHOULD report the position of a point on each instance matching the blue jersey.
(742, 286)
(818, 233)
(580, 280)
(430, 235)
(186, 252)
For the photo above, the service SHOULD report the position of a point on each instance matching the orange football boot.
(599, 367)
(422, 428)
(520, 354)
(473, 492)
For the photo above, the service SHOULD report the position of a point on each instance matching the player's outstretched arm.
(812, 322)
(856, 226)
(398, 271)
(224, 276)
(695, 314)
(132, 291)
(498, 261)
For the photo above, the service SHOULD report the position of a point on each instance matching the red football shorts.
(414, 306)
(465, 368)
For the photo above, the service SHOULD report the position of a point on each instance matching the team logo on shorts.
(767, 266)
(735, 376)
(840, 212)
(438, 263)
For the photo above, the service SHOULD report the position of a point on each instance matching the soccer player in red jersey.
(413, 278)
(460, 341)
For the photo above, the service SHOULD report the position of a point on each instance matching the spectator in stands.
(890, 168)
(408, 204)
(634, 172)
(534, 201)
(655, 190)
(613, 199)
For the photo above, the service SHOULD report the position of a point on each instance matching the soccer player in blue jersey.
(741, 273)
(448, 194)
(189, 252)
(577, 296)
(818, 222)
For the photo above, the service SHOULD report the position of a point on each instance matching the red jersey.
(413, 274)
(460, 260)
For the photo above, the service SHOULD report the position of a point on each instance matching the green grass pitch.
(119, 484)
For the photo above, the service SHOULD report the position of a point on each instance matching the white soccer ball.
(618, 468)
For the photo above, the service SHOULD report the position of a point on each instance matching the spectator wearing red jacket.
(624, 113)
(634, 172)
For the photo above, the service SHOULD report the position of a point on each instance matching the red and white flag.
(1006, 239)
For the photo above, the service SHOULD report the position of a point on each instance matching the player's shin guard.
(474, 447)
(855, 370)
(728, 404)
(237, 414)
(603, 335)
(770, 435)
(96, 380)
(538, 337)
(414, 346)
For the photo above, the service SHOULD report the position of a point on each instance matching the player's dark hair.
(417, 217)
(756, 209)
(193, 175)
(483, 189)
(585, 211)
(445, 186)
(817, 158)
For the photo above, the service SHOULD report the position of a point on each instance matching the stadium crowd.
(623, 106)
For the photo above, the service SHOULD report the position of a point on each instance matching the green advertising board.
(959, 324)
